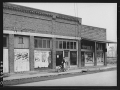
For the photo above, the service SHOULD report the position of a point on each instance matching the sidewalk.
(37, 76)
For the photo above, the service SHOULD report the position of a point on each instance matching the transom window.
(20, 40)
(41, 43)
(64, 44)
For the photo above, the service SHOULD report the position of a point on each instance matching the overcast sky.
(102, 15)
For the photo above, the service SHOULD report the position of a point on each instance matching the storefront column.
(95, 55)
(105, 55)
(53, 53)
(31, 53)
(79, 53)
(11, 52)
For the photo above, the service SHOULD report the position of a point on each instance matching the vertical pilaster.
(53, 53)
(79, 53)
(11, 52)
(31, 53)
(53, 62)
(95, 55)
(105, 55)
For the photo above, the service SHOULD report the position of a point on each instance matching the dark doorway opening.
(59, 57)
(73, 57)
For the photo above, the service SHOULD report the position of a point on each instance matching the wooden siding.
(25, 42)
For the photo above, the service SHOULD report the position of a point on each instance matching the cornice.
(38, 12)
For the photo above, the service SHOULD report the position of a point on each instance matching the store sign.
(21, 60)
(42, 58)
(86, 47)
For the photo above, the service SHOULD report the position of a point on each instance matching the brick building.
(38, 40)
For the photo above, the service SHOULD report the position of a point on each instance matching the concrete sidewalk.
(35, 76)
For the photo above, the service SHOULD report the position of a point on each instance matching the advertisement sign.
(89, 57)
(21, 60)
(5, 61)
(41, 58)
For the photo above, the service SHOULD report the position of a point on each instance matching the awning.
(100, 41)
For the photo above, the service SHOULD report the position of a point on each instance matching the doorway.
(82, 59)
(59, 57)
(73, 57)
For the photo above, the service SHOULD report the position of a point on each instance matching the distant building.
(111, 50)
(38, 40)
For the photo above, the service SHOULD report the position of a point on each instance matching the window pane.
(71, 45)
(68, 45)
(21, 40)
(4, 42)
(48, 43)
(74, 45)
(36, 43)
(44, 43)
(56, 44)
(60, 44)
(66, 54)
(40, 43)
(64, 44)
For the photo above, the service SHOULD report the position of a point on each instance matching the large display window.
(89, 59)
(100, 58)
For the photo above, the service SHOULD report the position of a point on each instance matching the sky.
(103, 15)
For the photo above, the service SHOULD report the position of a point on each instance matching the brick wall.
(93, 32)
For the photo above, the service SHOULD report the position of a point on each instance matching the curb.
(45, 77)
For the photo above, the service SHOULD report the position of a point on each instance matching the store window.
(71, 45)
(48, 43)
(68, 45)
(41, 43)
(57, 44)
(64, 44)
(74, 45)
(4, 41)
(44, 43)
(60, 44)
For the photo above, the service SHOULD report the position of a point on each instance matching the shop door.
(82, 59)
(59, 57)
(73, 57)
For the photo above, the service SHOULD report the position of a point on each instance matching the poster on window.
(5, 61)
(21, 60)
(89, 57)
(100, 58)
(42, 58)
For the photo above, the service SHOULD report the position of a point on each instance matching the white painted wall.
(5, 61)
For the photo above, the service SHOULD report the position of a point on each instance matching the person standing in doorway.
(63, 64)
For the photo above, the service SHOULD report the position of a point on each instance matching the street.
(108, 78)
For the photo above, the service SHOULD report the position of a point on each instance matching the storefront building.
(38, 40)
